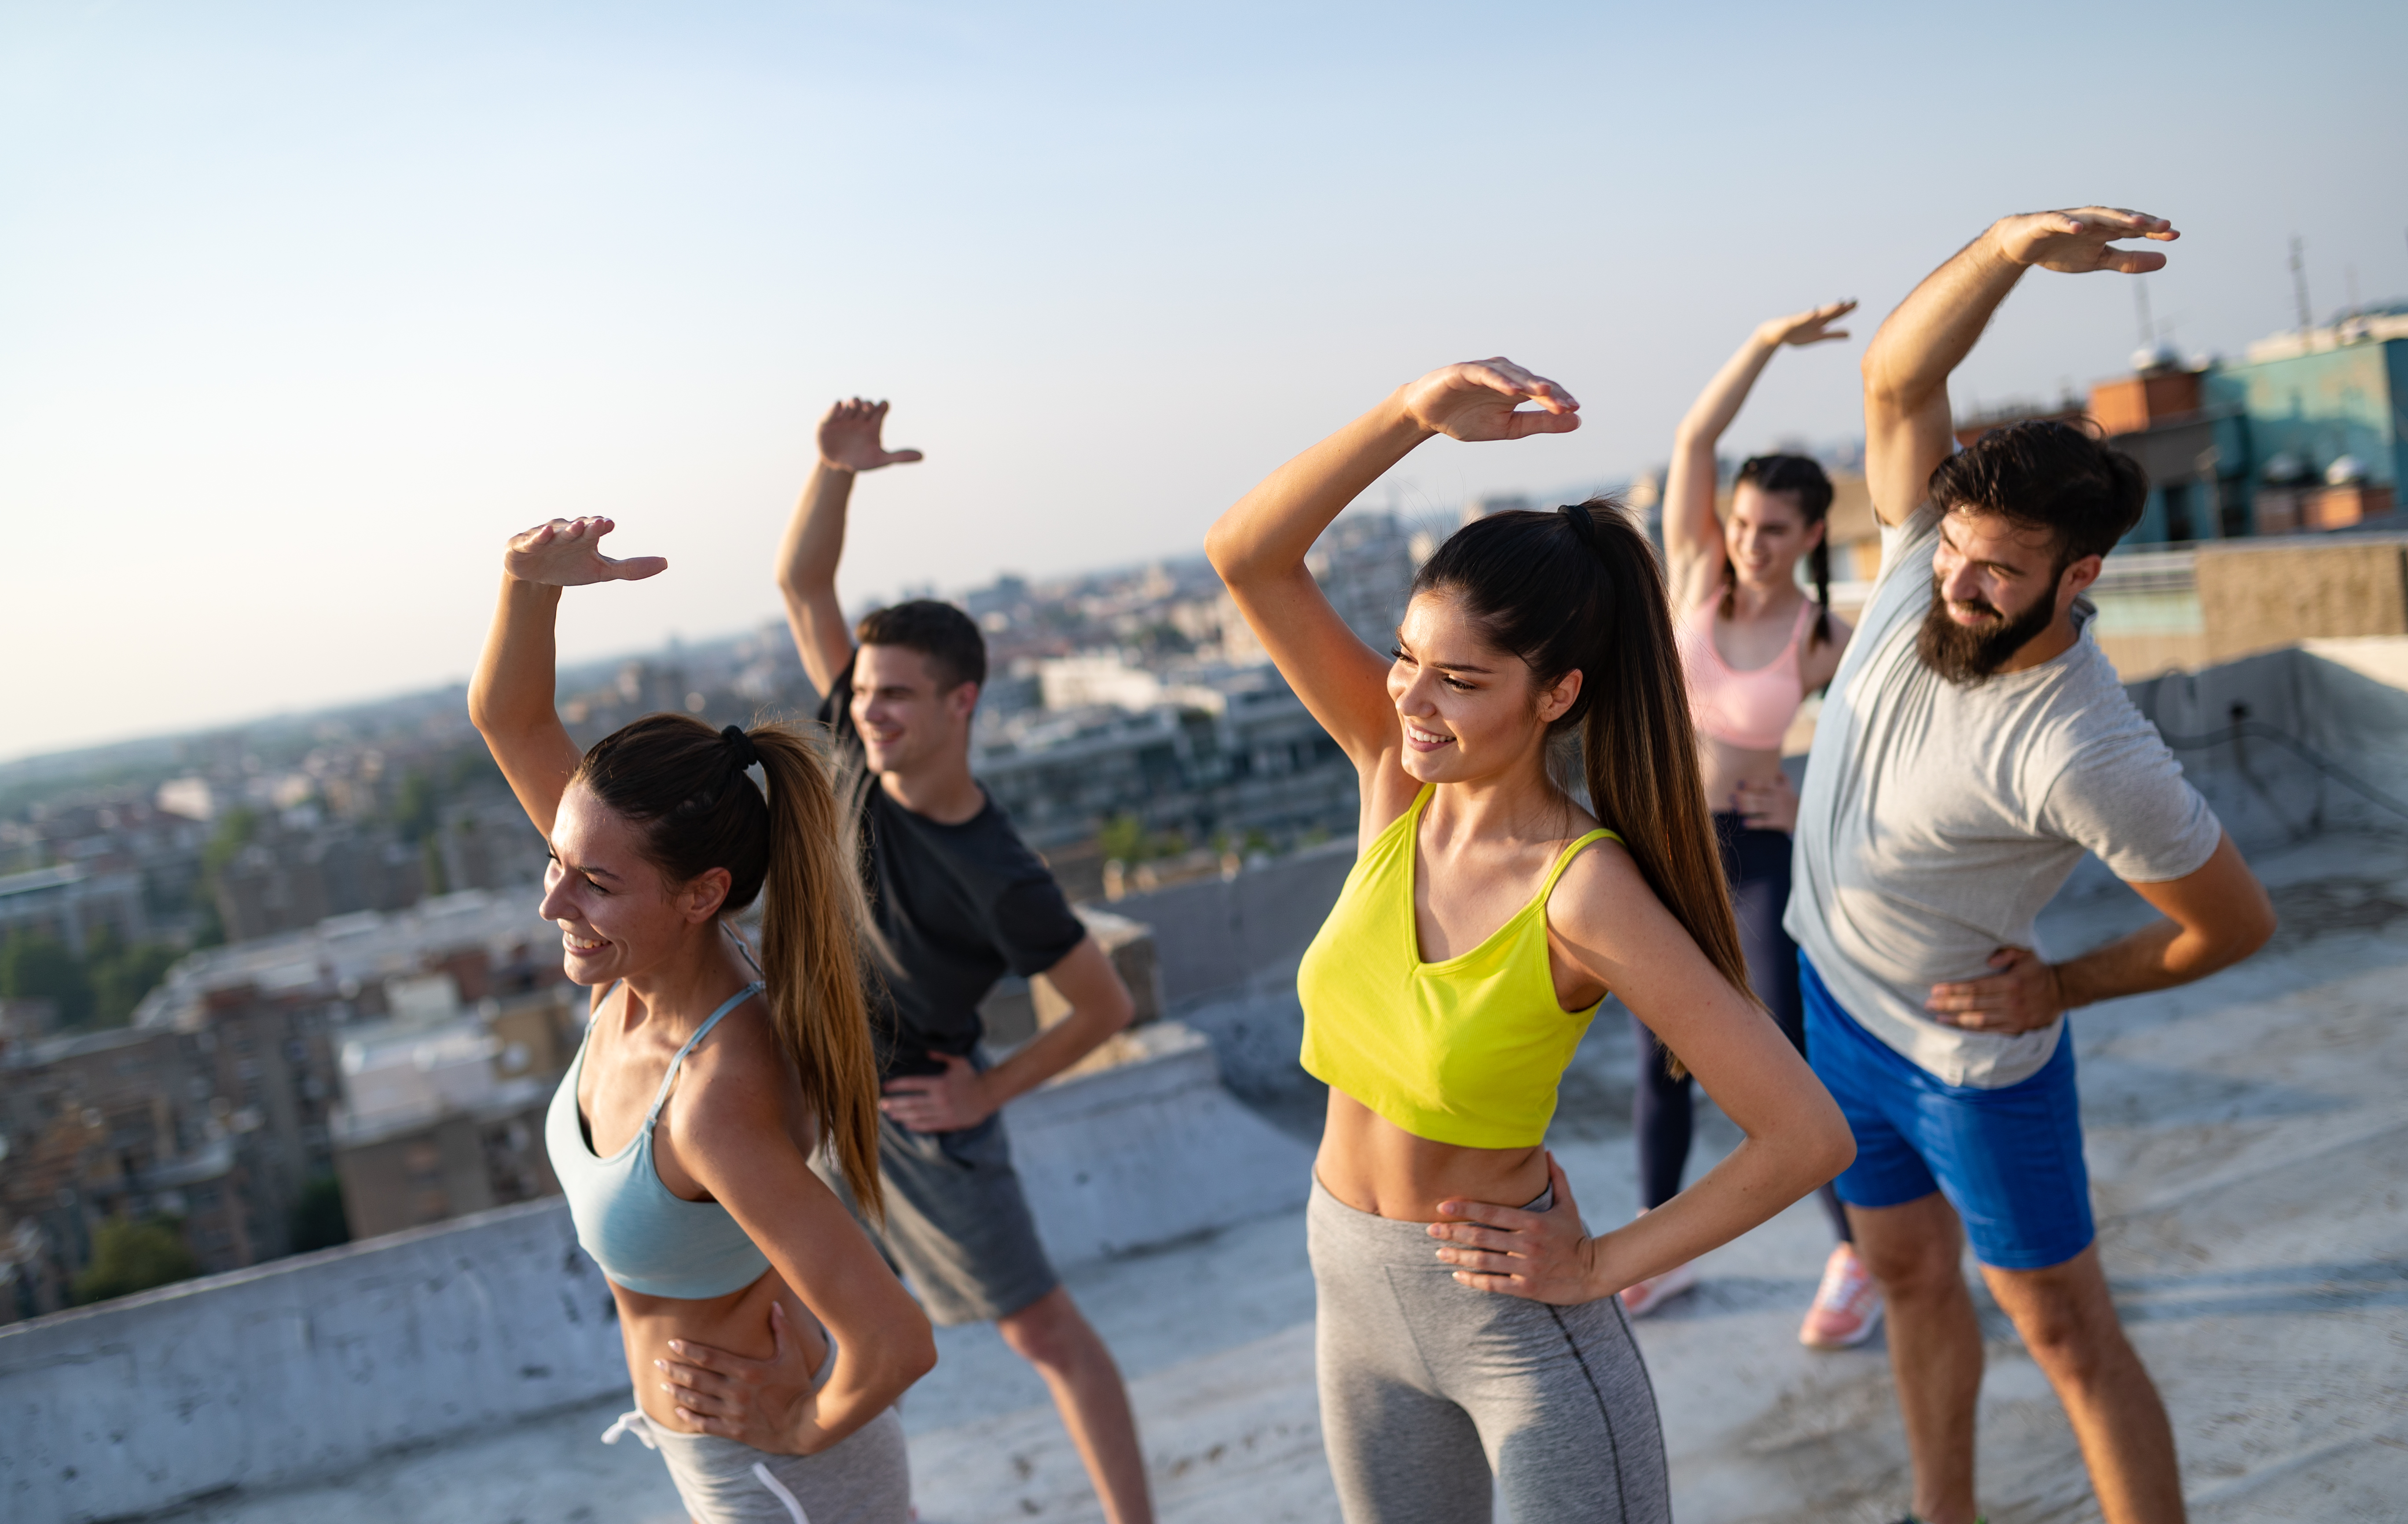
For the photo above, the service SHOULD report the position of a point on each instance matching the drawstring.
(631, 1423)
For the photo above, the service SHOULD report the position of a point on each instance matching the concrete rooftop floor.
(2248, 1140)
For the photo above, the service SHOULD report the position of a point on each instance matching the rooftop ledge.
(2245, 1134)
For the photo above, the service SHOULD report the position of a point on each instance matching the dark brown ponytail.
(686, 786)
(1580, 590)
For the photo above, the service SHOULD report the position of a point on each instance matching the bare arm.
(1692, 540)
(740, 1148)
(1260, 545)
(814, 541)
(510, 698)
(2215, 917)
(962, 1097)
(1908, 428)
(1611, 926)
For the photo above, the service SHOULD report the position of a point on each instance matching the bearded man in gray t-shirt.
(1973, 745)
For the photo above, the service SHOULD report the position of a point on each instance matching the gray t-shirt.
(1937, 819)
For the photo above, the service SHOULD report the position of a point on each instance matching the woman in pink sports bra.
(1753, 646)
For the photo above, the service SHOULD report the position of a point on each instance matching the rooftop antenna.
(2300, 284)
(2349, 274)
(2141, 303)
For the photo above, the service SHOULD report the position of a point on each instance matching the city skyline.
(309, 312)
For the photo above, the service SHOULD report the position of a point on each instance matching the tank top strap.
(1807, 610)
(661, 1098)
(1600, 834)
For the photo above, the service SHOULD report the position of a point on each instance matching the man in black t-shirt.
(959, 901)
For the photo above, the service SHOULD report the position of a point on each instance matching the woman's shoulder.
(1596, 891)
(741, 1062)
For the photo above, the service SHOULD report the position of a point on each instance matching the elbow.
(1218, 550)
(2258, 930)
(919, 1358)
(1833, 1145)
(481, 708)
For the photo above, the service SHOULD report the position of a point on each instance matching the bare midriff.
(1726, 766)
(1375, 1166)
(737, 1322)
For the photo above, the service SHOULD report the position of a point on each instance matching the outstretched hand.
(1812, 327)
(1481, 399)
(2077, 242)
(849, 437)
(1545, 1255)
(568, 553)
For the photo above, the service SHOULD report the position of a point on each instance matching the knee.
(1918, 1269)
(2067, 1341)
(1049, 1332)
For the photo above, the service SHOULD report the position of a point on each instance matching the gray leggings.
(864, 1479)
(1427, 1387)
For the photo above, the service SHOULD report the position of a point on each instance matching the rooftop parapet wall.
(312, 1366)
(305, 1367)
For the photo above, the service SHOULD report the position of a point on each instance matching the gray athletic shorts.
(958, 1223)
(865, 1478)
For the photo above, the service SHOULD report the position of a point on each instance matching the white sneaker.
(1655, 1290)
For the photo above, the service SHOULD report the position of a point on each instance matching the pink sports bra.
(1750, 709)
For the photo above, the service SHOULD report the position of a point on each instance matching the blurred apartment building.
(1202, 742)
(240, 1083)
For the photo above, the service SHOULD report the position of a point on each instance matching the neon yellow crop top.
(1466, 1051)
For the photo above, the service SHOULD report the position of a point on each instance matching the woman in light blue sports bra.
(683, 1131)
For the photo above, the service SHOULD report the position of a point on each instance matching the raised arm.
(814, 542)
(1908, 429)
(1693, 538)
(510, 698)
(1259, 546)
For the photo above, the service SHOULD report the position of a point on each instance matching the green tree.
(122, 975)
(318, 1220)
(415, 805)
(34, 966)
(236, 829)
(1122, 839)
(129, 1256)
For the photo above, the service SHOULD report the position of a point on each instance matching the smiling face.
(905, 714)
(1995, 587)
(1469, 711)
(618, 915)
(1765, 533)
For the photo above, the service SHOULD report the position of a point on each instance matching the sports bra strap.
(755, 987)
(742, 947)
(1600, 834)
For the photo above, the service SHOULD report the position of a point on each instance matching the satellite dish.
(2347, 471)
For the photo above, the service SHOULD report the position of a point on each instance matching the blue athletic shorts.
(2008, 1160)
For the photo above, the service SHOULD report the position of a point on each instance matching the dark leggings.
(1757, 864)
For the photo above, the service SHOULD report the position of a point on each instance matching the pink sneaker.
(1655, 1290)
(1847, 1306)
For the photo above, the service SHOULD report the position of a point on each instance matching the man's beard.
(1970, 654)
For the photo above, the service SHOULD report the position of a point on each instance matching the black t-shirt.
(958, 906)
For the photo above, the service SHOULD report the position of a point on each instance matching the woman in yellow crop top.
(1467, 1322)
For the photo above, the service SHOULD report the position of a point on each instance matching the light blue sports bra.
(645, 1238)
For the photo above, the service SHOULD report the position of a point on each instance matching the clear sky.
(303, 308)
